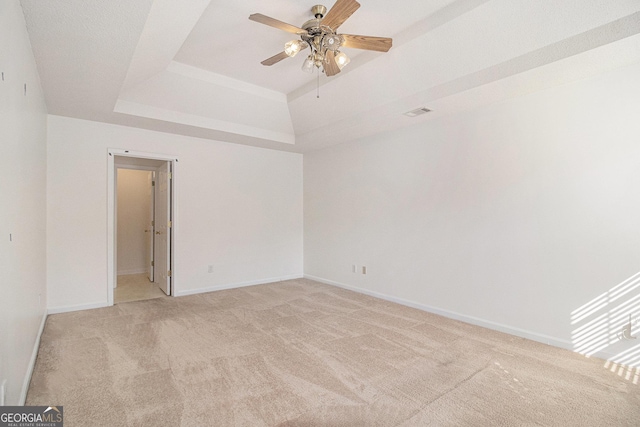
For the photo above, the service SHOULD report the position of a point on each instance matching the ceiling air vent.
(417, 112)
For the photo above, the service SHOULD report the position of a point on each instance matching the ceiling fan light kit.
(342, 60)
(293, 47)
(319, 34)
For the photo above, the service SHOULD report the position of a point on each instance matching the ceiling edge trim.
(228, 82)
(147, 111)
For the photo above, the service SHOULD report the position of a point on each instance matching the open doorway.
(141, 219)
(135, 235)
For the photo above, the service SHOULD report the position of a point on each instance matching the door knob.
(157, 232)
(146, 231)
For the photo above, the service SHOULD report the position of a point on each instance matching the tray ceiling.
(193, 67)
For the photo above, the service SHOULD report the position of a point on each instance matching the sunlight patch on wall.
(608, 325)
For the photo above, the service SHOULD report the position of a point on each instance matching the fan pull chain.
(318, 85)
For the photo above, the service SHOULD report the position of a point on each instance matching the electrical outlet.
(354, 268)
(210, 270)
(364, 270)
(626, 333)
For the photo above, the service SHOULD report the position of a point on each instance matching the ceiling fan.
(319, 34)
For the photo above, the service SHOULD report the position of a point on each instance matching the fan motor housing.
(311, 24)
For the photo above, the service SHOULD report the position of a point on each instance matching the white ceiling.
(192, 67)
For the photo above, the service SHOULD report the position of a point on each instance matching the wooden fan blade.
(330, 66)
(275, 59)
(258, 17)
(340, 12)
(279, 57)
(379, 44)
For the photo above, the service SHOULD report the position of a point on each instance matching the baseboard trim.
(237, 285)
(66, 309)
(32, 361)
(523, 333)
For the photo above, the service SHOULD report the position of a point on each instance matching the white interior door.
(162, 234)
(149, 230)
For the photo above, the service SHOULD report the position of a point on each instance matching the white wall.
(134, 207)
(239, 209)
(22, 202)
(512, 217)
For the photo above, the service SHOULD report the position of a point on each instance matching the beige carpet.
(300, 353)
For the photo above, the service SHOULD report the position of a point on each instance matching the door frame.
(162, 228)
(112, 273)
(151, 273)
